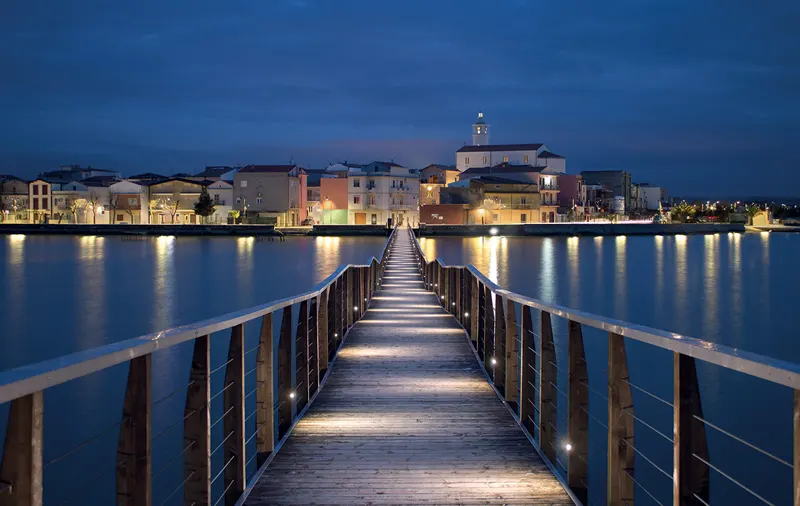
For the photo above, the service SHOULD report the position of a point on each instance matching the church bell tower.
(480, 132)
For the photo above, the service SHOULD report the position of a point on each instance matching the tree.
(205, 205)
(752, 211)
(173, 206)
(682, 211)
(234, 214)
(94, 204)
(77, 205)
(113, 202)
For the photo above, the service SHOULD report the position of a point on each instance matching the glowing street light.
(493, 361)
(291, 395)
(568, 447)
(466, 314)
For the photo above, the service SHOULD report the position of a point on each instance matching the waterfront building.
(214, 173)
(271, 194)
(572, 200)
(221, 192)
(40, 196)
(617, 181)
(69, 173)
(380, 191)
(14, 196)
(333, 199)
(129, 202)
(652, 196)
(432, 179)
(484, 154)
(172, 201)
(147, 177)
(313, 193)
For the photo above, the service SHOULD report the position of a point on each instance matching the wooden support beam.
(322, 335)
(134, 455)
(548, 378)
(301, 358)
(348, 305)
(689, 436)
(796, 448)
(233, 422)
(488, 331)
(21, 469)
(620, 425)
(513, 356)
(197, 428)
(577, 414)
(313, 346)
(265, 396)
(527, 401)
(474, 312)
(499, 345)
(338, 329)
(481, 324)
(285, 391)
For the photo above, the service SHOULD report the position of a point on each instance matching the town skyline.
(694, 98)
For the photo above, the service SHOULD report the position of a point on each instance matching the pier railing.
(523, 368)
(287, 378)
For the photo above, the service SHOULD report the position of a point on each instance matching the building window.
(372, 200)
(35, 204)
(132, 202)
(526, 158)
(523, 201)
(479, 129)
(243, 183)
(258, 200)
(374, 219)
(238, 200)
(44, 190)
(356, 183)
(216, 198)
(36, 189)
(356, 199)
(496, 217)
(485, 159)
(466, 160)
(44, 203)
(523, 218)
(505, 159)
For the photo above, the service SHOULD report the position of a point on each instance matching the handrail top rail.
(27, 379)
(753, 364)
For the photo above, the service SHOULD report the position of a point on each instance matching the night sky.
(700, 96)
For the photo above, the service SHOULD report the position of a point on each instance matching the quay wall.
(579, 229)
(342, 230)
(129, 229)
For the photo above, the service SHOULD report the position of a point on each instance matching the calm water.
(59, 295)
(735, 289)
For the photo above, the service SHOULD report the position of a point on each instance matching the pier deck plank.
(407, 417)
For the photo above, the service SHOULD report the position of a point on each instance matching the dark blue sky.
(701, 96)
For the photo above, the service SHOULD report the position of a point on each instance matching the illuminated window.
(479, 129)
(505, 159)
(485, 159)
(243, 184)
(526, 158)
(356, 199)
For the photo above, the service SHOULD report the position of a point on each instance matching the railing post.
(338, 328)
(301, 358)
(797, 448)
(265, 414)
(577, 414)
(512, 356)
(285, 392)
(235, 474)
(197, 428)
(690, 476)
(481, 325)
(526, 401)
(488, 331)
(134, 474)
(322, 335)
(548, 378)
(620, 425)
(499, 345)
(474, 312)
(313, 346)
(349, 285)
(21, 469)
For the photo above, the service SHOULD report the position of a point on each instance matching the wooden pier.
(399, 381)
(407, 416)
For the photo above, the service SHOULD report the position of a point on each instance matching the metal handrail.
(27, 379)
(753, 364)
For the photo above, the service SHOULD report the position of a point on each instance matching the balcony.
(407, 207)
(399, 189)
(548, 187)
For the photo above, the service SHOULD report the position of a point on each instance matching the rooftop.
(275, 169)
(548, 154)
(500, 147)
(214, 171)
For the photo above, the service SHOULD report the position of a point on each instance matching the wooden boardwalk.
(407, 417)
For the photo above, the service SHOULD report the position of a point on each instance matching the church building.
(484, 154)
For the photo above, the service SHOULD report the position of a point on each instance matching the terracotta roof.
(500, 147)
(270, 168)
(547, 154)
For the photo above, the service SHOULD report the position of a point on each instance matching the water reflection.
(620, 277)
(164, 287)
(659, 302)
(244, 268)
(681, 275)
(711, 289)
(598, 270)
(765, 269)
(548, 270)
(573, 256)
(735, 246)
(91, 294)
(15, 282)
(493, 245)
